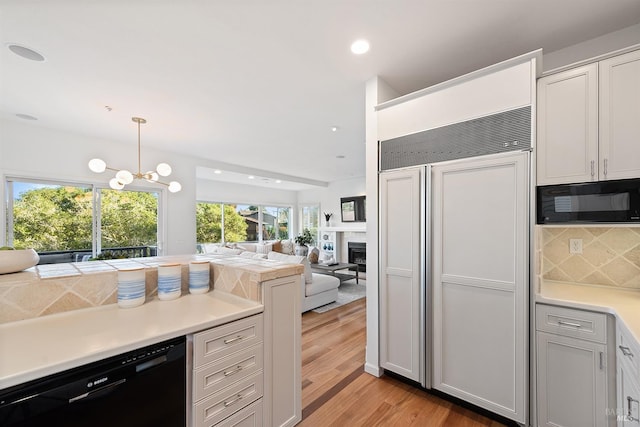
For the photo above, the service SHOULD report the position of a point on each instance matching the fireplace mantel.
(347, 229)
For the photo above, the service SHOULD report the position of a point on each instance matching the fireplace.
(357, 253)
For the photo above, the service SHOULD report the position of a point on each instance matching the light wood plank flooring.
(337, 392)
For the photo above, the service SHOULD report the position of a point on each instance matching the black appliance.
(145, 387)
(602, 201)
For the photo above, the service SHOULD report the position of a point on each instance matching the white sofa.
(315, 289)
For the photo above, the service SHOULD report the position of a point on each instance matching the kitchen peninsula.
(244, 290)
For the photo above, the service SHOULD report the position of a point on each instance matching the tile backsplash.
(610, 256)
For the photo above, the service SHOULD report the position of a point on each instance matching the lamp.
(124, 177)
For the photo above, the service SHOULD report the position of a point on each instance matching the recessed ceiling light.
(278, 181)
(217, 171)
(25, 52)
(26, 116)
(251, 177)
(334, 128)
(360, 46)
(340, 156)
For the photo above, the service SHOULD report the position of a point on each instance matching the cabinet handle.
(593, 168)
(237, 338)
(606, 164)
(228, 403)
(233, 371)
(626, 351)
(630, 417)
(572, 324)
(601, 360)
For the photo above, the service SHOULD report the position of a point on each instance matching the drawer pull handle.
(571, 324)
(231, 340)
(592, 168)
(625, 350)
(630, 417)
(232, 401)
(233, 371)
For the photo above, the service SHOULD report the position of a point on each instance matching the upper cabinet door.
(620, 117)
(567, 131)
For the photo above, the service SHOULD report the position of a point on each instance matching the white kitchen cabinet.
(480, 281)
(620, 116)
(588, 127)
(227, 370)
(628, 387)
(567, 137)
(282, 351)
(400, 275)
(573, 384)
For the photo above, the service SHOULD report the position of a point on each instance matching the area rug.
(348, 292)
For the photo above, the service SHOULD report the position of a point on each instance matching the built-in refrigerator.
(454, 240)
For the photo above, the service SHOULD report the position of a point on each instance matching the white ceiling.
(259, 83)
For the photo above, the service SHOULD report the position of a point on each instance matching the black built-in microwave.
(602, 201)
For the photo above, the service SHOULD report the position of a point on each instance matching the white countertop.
(35, 348)
(624, 304)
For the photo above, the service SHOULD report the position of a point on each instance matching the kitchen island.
(37, 347)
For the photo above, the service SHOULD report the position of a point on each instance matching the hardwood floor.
(337, 392)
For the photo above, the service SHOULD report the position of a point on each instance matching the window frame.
(260, 218)
(95, 188)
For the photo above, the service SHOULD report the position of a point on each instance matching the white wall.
(591, 48)
(377, 91)
(225, 192)
(329, 197)
(29, 151)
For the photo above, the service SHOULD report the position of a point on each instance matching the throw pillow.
(314, 254)
(277, 246)
(229, 251)
(287, 247)
(293, 259)
(252, 255)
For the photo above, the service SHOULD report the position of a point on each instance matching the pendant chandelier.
(124, 177)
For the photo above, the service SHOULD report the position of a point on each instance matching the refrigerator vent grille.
(507, 131)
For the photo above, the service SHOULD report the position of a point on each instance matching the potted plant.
(302, 240)
(327, 217)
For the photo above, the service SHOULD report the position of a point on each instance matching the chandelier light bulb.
(174, 186)
(164, 169)
(115, 184)
(97, 165)
(151, 176)
(124, 176)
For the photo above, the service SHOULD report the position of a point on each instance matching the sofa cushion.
(321, 283)
(314, 254)
(287, 247)
(293, 259)
(277, 246)
(264, 248)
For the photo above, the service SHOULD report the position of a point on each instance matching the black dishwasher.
(145, 387)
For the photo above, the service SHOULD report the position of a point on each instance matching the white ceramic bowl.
(17, 260)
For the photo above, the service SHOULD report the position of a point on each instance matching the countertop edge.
(623, 304)
(237, 308)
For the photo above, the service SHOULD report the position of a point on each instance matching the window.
(77, 221)
(310, 218)
(240, 223)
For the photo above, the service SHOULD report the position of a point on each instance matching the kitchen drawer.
(220, 374)
(221, 341)
(569, 322)
(251, 416)
(628, 351)
(219, 406)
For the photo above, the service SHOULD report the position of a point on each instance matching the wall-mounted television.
(352, 209)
